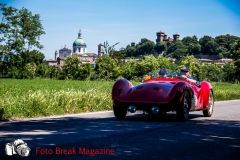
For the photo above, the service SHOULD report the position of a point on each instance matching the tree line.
(21, 56)
(221, 46)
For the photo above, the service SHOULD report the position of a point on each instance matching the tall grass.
(34, 98)
(226, 91)
(45, 97)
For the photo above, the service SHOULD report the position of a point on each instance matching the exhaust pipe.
(155, 109)
(132, 108)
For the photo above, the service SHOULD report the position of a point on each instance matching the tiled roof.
(86, 55)
(51, 60)
(206, 60)
(91, 54)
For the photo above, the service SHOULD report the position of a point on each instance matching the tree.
(212, 72)
(190, 40)
(130, 51)
(20, 31)
(105, 65)
(208, 45)
(108, 49)
(129, 70)
(160, 47)
(147, 64)
(119, 55)
(192, 44)
(30, 69)
(164, 63)
(177, 50)
(54, 72)
(194, 49)
(71, 66)
(230, 72)
(236, 55)
(223, 52)
(41, 70)
(145, 47)
(117, 72)
(34, 56)
(226, 42)
(220, 55)
(84, 71)
(16, 67)
(236, 58)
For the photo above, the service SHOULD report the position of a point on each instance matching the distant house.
(206, 60)
(88, 58)
(220, 62)
(51, 62)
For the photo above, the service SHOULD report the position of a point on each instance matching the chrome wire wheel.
(209, 111)
(183, 109)
(210, 103)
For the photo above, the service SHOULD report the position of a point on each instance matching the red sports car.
(156, 96)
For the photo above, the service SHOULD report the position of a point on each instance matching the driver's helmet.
(162, 71)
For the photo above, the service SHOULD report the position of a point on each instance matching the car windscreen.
(170, 73)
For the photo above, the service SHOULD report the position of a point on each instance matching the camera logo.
(17, 147)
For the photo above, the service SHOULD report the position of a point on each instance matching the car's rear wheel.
(120, 113)
(208, 112)
(183, 109)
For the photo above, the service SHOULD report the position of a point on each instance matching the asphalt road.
(136, 137)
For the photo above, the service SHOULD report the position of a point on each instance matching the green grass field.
(45, 97)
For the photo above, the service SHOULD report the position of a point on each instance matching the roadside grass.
(226, 91)
(45, 97)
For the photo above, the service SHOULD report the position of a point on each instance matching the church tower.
(56, 53)
(100, 50)
(79, 46)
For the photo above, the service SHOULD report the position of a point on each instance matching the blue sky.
(128, 21)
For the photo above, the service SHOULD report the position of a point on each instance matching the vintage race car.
(156, 96)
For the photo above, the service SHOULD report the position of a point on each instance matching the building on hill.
(162, 37)
(220, 62)
(79, 48)
(212, 59)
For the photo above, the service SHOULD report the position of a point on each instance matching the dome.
(79, 42)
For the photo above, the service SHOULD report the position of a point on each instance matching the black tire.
(120, 113)
(183, 109)
(208, 112)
